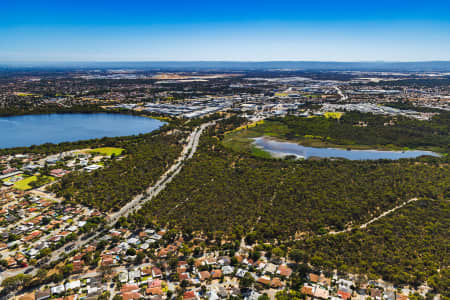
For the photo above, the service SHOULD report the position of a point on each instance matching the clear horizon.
(246, 31)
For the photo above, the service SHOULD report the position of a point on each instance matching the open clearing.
(108, 151)
(333, 115)
(24, 184)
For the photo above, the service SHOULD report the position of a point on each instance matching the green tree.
(247, 281)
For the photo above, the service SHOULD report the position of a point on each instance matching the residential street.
(188, 151)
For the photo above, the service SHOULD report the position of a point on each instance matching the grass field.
(333, 115)
(108, 151)
(23, 94)
(24, 184)
(240, 139)
(246, 126)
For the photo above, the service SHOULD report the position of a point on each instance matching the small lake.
(280, 149)
(20, 131)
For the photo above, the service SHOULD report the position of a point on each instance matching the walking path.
(376, 218)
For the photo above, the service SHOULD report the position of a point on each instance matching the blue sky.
(132, 30)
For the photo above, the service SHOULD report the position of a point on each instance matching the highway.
(138, 201)
(343, 96)
(187, 153)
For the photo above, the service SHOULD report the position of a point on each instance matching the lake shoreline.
(24, 131)
(282, 148)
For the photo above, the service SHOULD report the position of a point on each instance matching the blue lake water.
(280, 149)
(18, 131)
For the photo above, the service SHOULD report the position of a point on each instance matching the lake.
(19, 131)
(280, 149)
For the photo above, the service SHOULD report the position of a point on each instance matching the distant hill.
(421, 66)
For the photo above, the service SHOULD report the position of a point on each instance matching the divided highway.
(343, 96)
(188, 152)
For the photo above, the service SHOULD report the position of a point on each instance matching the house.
(308, 290)
(265, 280)
(30, 167)
(58, 172)
(401, 297)
(260, 265)
(313, 277)
(321, 293)
(241, 273)
(154, 283)
(73, 285)
(276, 283)
(93, 290)
(224, 261)
(156, 272)
(154, 291)
(284, 270)
(238, 258)
(146, 271)
(270, 268)
(123, 277)
(77, 266)
(210, 261)
(108, 260)
(227, 270)
(190, 295)
(185, 276)
(28, 297)
(222, 292)
(133, 275)
(344, 293)
(9, 171)
(235, 292)
(59, 289)
(163, 253)
(325, 281)
(32, 236)
(11, 262)
(41, 295)
(131, 295)
(216, 274)
(212, 295)
(375, 293)
(204, 275)
(91, 168)
(252, 295)
(342, 283)
(389, 295)
(133, 241)
(126, 288)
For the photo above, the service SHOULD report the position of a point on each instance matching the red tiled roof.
(344, 295)
(216, 274)
(204, 275)
(129, 288)
(189, 295)
(131, 295)
(154, 291)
